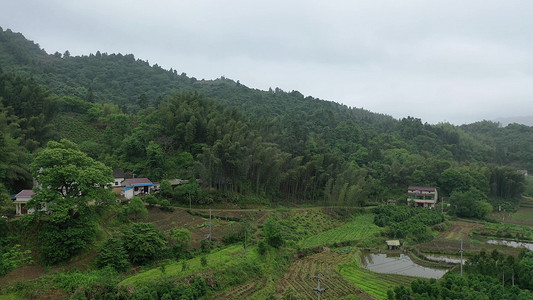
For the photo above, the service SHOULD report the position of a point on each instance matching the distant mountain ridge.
(524, 120)
(298, 125)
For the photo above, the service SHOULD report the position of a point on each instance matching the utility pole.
(245, 242)
(210, 224)
(461, 251)
(318, 289)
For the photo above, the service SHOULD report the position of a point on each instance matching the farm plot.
(524, 214)
(245, 291)
(219, 260)
(459, 230)
(300, 277)
(374, 284)
(361, 227)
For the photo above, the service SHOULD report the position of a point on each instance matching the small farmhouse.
(119, 178)
(137, 186)
(393, 244)
(422, 196)
(22, 199)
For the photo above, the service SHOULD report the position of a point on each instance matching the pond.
(513, 244)
(398, 264)
(444, 258)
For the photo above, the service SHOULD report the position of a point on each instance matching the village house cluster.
(124, 185)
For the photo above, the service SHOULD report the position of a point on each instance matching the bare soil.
(459, 230)
(198, 225)
(449, 241)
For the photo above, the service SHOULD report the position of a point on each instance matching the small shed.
(393, 244)
(127, 192)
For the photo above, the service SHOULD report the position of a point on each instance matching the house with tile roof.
(422, 196)
(137, 186)
(22, 199)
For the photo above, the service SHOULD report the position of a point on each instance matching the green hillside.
(313, 175)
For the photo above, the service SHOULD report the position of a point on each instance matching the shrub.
(136, 209)
(143, 241)
(151, 200)
(165, 205)
(112, 254)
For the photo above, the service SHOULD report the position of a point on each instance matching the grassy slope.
(361, 227)
(227, 257)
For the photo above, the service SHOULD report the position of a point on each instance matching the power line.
(318, 289)
(461, 251)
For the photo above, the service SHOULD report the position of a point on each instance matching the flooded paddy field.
(398, 264)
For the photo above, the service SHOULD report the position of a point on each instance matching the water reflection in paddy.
(512, 244)
(398, 264)
(444, 258)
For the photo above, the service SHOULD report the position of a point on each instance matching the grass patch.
(361, 227)
(11, 296)
(503, 230)
(222, 259)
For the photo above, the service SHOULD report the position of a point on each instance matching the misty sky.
(453, 61)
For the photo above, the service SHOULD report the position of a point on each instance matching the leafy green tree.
(471, 203)
(166, 189)
(143, 242)
(70, 179)
(63, 237)
(182, 241)
(6, 204)
(155, 161)
(112, 254)
(188, 192)
(151, 200)
(272, 232)
(143, 101)
(136, 208)
(165, 205)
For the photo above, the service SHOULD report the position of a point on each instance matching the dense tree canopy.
(273, 144)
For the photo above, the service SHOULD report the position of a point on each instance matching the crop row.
(244, 291)
(300, 277)
(375, 284)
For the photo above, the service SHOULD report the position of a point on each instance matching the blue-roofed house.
(137, 186)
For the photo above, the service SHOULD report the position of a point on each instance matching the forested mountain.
(242, 142)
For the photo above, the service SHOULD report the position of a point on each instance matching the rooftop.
(422, 188)
(26, 193)
(393, 243)
(137, 181)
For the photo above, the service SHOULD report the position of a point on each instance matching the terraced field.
(245, 291)
(524, 215)
(374, 284)
(361, 227)
(300, 277)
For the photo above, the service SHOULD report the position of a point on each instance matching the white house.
(119, 178)
(424, 196)
(137, 186)
(22, 199)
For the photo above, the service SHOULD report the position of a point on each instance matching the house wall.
(118, 181)
(23, 201)
(128, 194)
